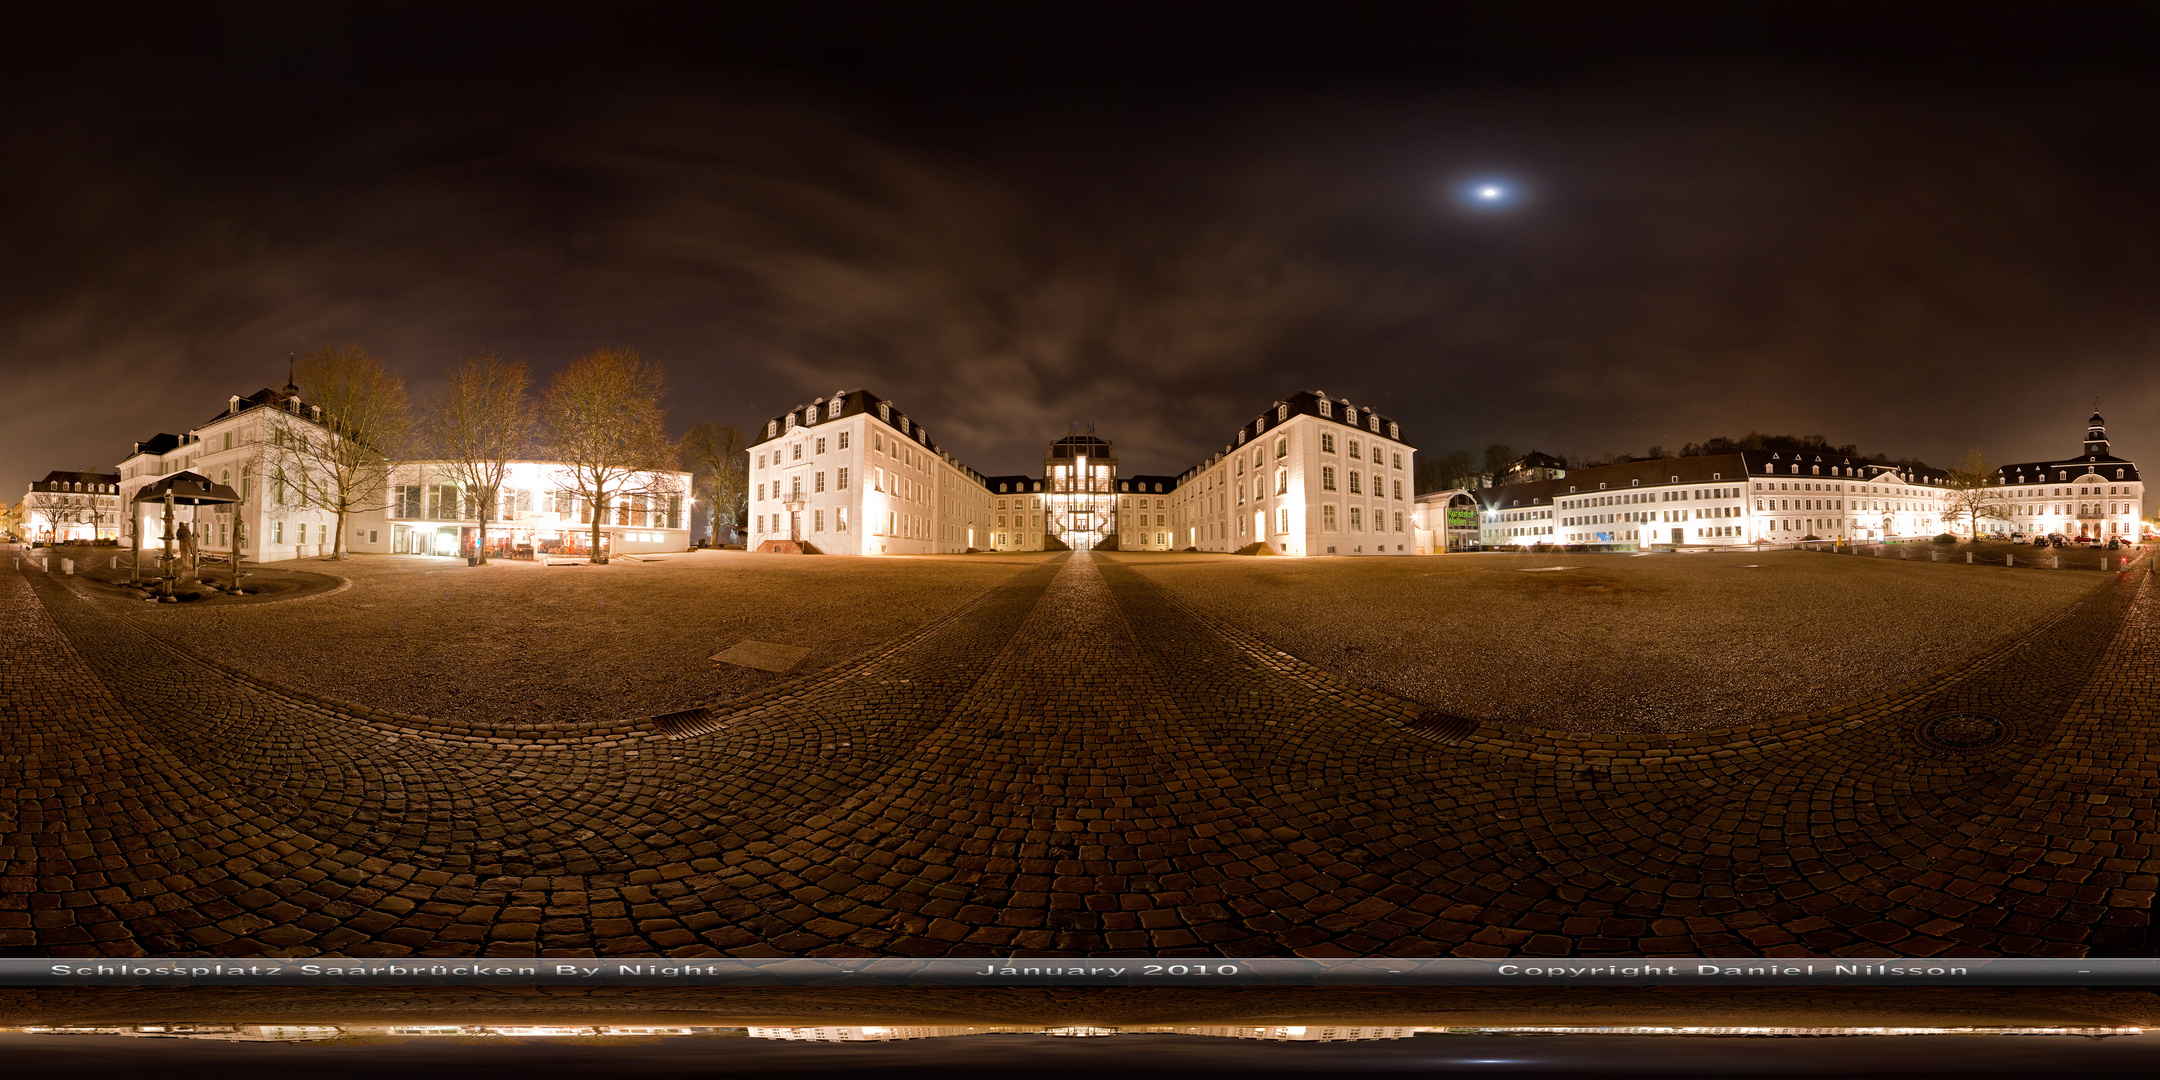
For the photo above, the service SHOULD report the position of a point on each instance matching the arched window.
(1282, 448)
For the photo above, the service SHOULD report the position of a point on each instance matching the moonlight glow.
(1487, 193)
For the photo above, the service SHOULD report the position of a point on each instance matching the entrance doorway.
(1676, 534)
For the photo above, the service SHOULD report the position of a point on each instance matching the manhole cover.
(1963, 732)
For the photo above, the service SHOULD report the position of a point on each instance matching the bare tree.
(480, 422)
(604, 424)
(1498, 456)
(333, 449)
(1972, 490)
(719, 463)
(49, 506)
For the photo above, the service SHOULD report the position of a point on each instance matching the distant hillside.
(1757, 442)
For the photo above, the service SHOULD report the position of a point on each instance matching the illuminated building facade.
(1717, 500)
(851, 474)
(235, 449)
(74, 507)
(1310, 475)
(535, 513)
(2094, 494)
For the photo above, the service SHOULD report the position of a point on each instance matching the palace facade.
(2094, 494)
(73, 507)
(421, 510)
(852, 474)
(1723, 500)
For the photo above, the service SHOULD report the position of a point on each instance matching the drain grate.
(1963, 732)
(1447, 729)
(687, 723)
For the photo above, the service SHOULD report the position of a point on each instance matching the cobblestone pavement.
(1071, 763)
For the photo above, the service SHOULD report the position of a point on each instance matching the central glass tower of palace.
(1079, 475)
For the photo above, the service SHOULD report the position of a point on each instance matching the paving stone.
(1074, 762)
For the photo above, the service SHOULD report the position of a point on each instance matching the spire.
(290, 362)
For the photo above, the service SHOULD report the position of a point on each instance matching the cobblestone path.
(1072, 763)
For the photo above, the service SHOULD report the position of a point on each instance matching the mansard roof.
(256, 400)
(1148, 482)
(1013, 484)
(2054, 472)
(164, 442)
(852, 403)
(70, 476)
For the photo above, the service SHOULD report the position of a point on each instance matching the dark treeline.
(1463, 469)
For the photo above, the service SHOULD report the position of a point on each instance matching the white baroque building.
(1723, 500)
(1717, 500)
(2094, 494)
(852, 474)
(269, 524)
(73, 507)
(1311, 475)
(423, 511)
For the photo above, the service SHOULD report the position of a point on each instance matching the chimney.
(232, 405)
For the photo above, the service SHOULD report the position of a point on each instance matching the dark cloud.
(1911, 237)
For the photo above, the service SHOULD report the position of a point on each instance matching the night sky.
(1917, 229)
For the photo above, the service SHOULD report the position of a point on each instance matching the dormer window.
(1327, 408)
(772, 428)
(832, 409)
(1282, 412)
(1372, 422)
(884, 411)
